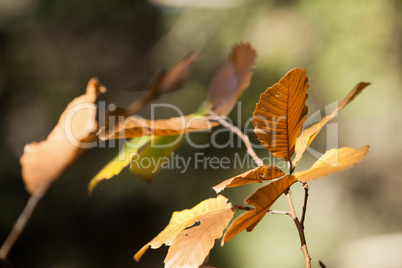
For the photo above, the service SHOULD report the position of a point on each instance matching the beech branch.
(300, 229)
(22, 220)
(292, 212)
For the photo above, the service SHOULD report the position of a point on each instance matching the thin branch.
(303, 217)
(280, 212)
(292, 213)
(238, 132)
(22, 220)
(258, 160)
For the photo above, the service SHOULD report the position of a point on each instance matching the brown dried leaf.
(263, 198)
(44, 162)
(232, 79)
(280, 113)
(307, 136)
(137, 127)
(184, 219)
(258, 174)
(333, 161)
(192, 245)
(163, 82)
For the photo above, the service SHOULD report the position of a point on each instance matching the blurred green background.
(50, 49)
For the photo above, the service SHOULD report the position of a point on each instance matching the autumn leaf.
(129, 151)
(44, 162)
(333, 161)
(166, 81)
(307, 136)
(258, 174)
(280, 113)
(163, 82)
(136, 127)
(263, 198)
(232, 79)
(192, 245)
(203, 212)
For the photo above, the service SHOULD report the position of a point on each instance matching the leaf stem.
(300, 229)
(238, 132)
(22, 220)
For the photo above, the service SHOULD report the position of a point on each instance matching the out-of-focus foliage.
(49, 50)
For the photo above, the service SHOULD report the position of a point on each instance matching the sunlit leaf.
(258, 174)
(280, 113)
(333, 161)
(186, 218)
(129, 151)
(44, 162)
(136, 127)
(263, 198)
(232, 79)
(307, 136)
(192, 245)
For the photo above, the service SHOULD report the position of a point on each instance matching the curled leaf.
(258, 174)
(279, 115)
(44, 162)
(307, 136)
(136, 127)
(263, 198)
(333, 161)
(187, 218)
(232, 79)
(163, 82)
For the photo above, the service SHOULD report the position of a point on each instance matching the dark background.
(50, 49)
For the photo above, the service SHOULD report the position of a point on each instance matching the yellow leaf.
(232, 79)
(279, 115)
(263, 198)
(183, 219)
(130, 149)
(307, 136)
(44, 162)
(333, 161)
(192, 245)
(258, 174)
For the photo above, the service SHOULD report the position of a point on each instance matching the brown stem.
(22, 220)
(303, 217)
(292, 213)
(238, 132)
